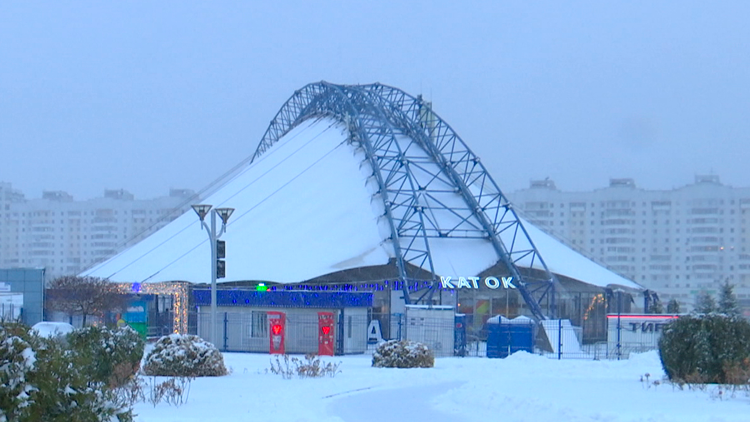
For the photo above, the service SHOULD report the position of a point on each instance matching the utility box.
(326, 332)
(276, 328)
(507, 336)
(433, 326)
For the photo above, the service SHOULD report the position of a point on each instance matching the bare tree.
(84, 296)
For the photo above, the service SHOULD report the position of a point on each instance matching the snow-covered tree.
(656, 307)
(709, 348)
(728, 301)
(673, 307)
(705, 303)
(42, 379)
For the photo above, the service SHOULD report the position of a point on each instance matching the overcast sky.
(151, 95)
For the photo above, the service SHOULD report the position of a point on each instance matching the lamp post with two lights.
(218, 251)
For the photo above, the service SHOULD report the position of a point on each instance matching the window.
(259, 324)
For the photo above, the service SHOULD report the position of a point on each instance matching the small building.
(635, 333)
(24, 286)
(244, 320)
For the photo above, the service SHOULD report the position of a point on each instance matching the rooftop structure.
(348, 178)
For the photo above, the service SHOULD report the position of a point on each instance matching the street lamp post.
(224, 213)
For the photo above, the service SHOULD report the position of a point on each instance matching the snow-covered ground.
(523, 387)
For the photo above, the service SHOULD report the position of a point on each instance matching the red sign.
(325, 334)
(277, 323)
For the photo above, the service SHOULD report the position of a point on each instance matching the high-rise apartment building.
(676, 242)
(67, 236)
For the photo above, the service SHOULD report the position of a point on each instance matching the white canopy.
(304, 209)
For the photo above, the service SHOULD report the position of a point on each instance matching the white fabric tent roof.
(304, 209)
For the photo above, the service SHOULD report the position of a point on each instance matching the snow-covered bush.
(17, 362)
(111, 356)
(712, 348)
(41, 380)
(184, 355)
(403, 354)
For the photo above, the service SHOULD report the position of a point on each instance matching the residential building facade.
(676, 242)
(66, 236)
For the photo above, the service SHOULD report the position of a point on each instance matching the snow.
(523, 387)
(52, 329)
(312, 197)
(560, 259)
(499, 319)
(553, 329)
(306, 197)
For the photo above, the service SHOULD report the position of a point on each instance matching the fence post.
(339, 338)
(619, 326)
(225, 331)
(400, 322)
(559, 339)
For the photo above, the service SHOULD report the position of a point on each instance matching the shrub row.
(711, 348)
(46, 379)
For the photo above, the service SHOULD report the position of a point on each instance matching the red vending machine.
(276, 329)
(325, 334)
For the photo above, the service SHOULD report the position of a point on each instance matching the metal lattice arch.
(362, 184)
(421, 165)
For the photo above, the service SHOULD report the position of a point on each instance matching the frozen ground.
(523, 387)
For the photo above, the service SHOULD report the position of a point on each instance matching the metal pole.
(619, 326)
(212, 236)
(559, 339)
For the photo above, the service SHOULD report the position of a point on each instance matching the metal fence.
(446, 334)
(556, 339)
(10, 312)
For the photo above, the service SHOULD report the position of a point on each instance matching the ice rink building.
(364, 188)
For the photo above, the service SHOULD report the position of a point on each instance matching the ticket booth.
(287, 322)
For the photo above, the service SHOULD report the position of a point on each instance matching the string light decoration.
(177, 289)
(285, 298)
(597, 300)
(365, 286)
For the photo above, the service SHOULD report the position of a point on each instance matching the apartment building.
(676, 242)
(66, 236)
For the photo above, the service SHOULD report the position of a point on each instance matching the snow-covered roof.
(304, 209)
(301, 210)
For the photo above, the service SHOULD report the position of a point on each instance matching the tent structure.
(358, 176)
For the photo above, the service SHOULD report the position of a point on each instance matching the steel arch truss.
(420, 165)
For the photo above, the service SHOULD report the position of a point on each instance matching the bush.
(108, 356)
(711, 348)
(17, 363)
(186, 355)
(403, 354)
(41, 380)
(309, 367)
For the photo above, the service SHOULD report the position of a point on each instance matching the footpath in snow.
(520, 388)
(416, 403)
